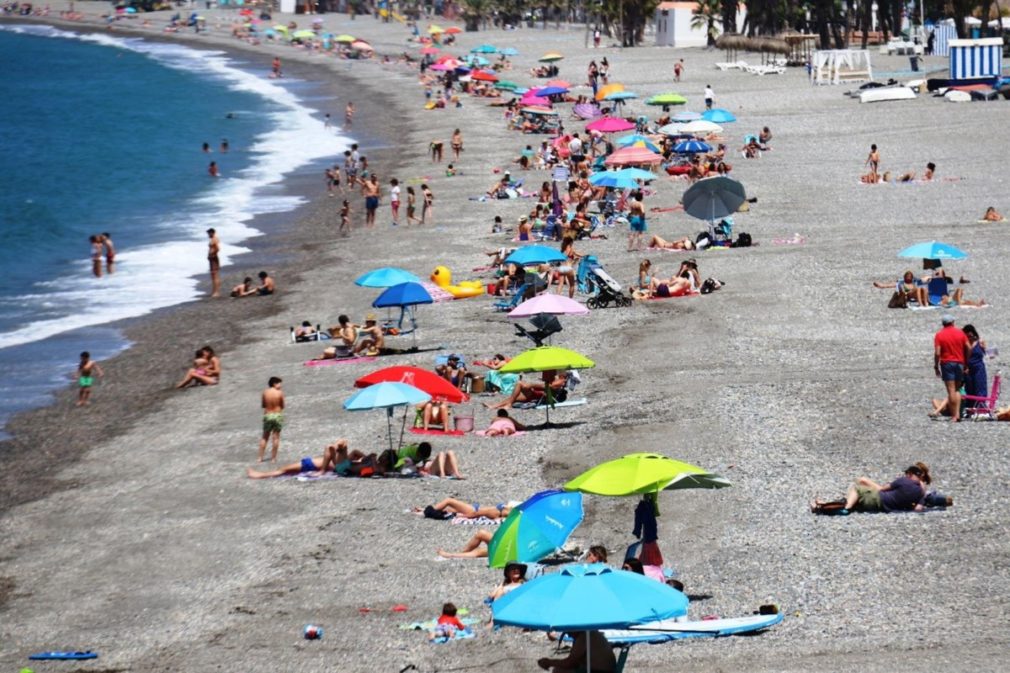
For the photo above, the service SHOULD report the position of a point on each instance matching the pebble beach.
(131, 529)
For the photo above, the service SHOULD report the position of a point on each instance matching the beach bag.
(898, 300)
(830, 508)
(742, 241)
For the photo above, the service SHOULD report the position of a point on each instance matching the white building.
(673, 24)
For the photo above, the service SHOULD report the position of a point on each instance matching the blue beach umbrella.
(386, 395)
(386, 276)
(534, 254)
(536, 528)
(479, 61)
(403, 294)
(551, 91)
(509, 51)
(484, 49)
(588, 597)
(718, 116)
(691, 147)
(933, 250)
(637, 173)
(640, 140)
(686, 116)
(612, 179)
(621, 96)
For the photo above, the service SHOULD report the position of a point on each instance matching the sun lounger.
(542, 404)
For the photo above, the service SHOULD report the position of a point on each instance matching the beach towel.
(479, 521)
(432, 623)
(339, 361)
(432, 431)
(444, 636)
(437, 294)
(483, 433)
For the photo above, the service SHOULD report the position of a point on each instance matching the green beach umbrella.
(345, 38)
(505, 84)
(535, 528)
(667, 99)
(640, 473)
(547, 358)
(303, 35)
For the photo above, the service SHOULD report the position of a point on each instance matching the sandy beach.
(131, 529)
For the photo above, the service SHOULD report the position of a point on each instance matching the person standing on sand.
(345, 216)
(349, 114)
(457, 144)
(411, 207)
(426, 205)
(873, 161)
(213, 248)
(951, 351)
(709, 96)
(86, 372)
(678, 70)
(96, 255)
(272, 402)
(370, 190)
(394, 200)
(110, 252)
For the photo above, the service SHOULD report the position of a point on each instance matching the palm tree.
(706, 15)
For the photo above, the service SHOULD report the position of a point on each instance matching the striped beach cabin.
(943, 33)
(976, 59)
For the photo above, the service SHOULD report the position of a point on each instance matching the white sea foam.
(155, 276)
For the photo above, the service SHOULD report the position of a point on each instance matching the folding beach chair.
(982, 407)
(936, 289)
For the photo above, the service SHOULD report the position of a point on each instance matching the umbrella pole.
(403, 426)
(389, 426)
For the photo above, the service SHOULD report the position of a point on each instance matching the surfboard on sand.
(659, 632)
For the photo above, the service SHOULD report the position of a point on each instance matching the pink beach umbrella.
(552, 304)
(527, 99)
(429, 51)
(610, 125)
(442, 67)
(633, 156)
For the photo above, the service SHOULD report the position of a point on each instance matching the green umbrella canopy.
(639, 473)
(547, 358)
(666, 99)
(505, 84)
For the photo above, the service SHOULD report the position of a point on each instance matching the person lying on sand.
(992, 216)
(337, 457)
(305, 332)
(472, 548)
(466, 510)
(526, 391)
(904, 494)
(927, 175)
(503, 425)
(685, 243)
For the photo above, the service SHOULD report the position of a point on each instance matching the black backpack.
(742, 241)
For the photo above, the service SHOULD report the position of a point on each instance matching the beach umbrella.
(485, 49)
(530, 99)
(551, 91)
(637, 140)
(361, 45)
(281, 29)
(435, 30)
(686, 116)
(509, 51)
(620, 96)
(933, 250)
(544, 359)
(534, 254)
(713, 198)
(564, 84)
(537, 527)
(453, 30)
(610, 125)
(586, 110)
(633, 156)
(637, 173)
(551, 57)
(386, 396)
(442, 67)
(718, 116)
(588, 597)
(429, 51)
(303, 35)
(405, 296)
(505, 84)
(476, 61)
(608, 89)
(640, 473)
(536, 109)
(666, 100)
(553, 304)
(701, 126)
(386, 276)
(691, 147)
(424, 380)
(612, 179)
(484, 76)
(344, 39)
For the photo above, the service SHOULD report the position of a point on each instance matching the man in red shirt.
(950, 360)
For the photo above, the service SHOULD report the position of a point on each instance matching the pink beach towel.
(337, 361)
(483, 433)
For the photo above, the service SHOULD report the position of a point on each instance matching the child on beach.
(96, 255)
(447, 624)
(86, 372)
(394, 200)
(345, 216)
(272, 402)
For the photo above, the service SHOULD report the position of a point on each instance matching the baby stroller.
(545, 325)
(593, 279)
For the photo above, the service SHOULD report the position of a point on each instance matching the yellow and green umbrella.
(344, 39)
(550, 57)
(640, 473)
(666, 99)
(547, 358)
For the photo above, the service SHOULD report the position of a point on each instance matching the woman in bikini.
(206, 369)
(503, 425)
(466, 510)
(685, 243)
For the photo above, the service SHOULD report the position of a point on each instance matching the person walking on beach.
(457, 144)
(272, 402)
(86, 372)
(412, 207)
(678, 70)
(213, 248)
(349, 114)
(345, 216)
(110, 252)
(951, 351)
(873, 161)
(394, 200)
(426, 205)
(350, 169)
(96, 255)
(709, 96)
(370, 190)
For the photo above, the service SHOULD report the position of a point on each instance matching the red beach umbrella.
(422, 379)
(633, 156)
(484, 76)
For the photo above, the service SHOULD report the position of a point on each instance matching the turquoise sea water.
(105, 134)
